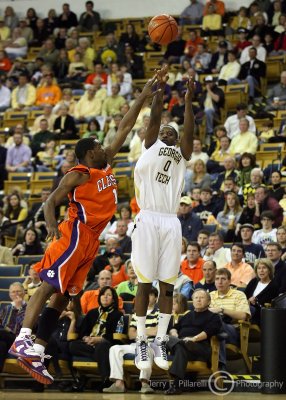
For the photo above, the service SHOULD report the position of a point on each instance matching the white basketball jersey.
(159, 178)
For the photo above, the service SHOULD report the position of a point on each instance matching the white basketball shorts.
(156, 247)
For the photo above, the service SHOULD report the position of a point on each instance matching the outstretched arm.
(186, 142)
(130, 118)
(156, 110)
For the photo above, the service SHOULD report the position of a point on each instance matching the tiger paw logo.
(50, 273)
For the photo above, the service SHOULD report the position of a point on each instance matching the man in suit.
(251, 72)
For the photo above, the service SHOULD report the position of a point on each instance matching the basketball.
(163, 29)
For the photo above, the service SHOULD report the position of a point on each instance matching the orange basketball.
(163, 29)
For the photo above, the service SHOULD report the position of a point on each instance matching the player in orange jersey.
(91, 188)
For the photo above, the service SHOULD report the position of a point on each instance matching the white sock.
(39, 348)
(141, 329)
(163, 324)
(25, 332)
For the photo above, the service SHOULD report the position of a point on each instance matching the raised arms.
(156, 110)
(186, 142)
(130, 118)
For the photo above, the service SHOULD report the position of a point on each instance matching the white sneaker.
(142, 354)
(160, 352)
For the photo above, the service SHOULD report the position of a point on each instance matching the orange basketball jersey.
(94, 203)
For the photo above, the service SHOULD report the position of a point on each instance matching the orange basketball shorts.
(67, 261)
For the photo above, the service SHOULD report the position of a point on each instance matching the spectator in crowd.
(36, 214)
(23, 95)
(64, 125)
(89, 20)
(261, 289)
(15, 212)
(228, 172)
(133, 62)
(31, 17)
(5, 31)
(203, 240)
(240, 21)
(127, 290)
(6, 257)
(232, 123)
(229, 217)
(252, 251)
(116, 266)
(273, 252)
(216, 252)
(199, 178)
(95, 333)
(212, 22)
(117, 352)
(229, 70)
(246, 164)
(252, 70)
(18, 156)
(41, 137)
(267, 234)
(17, 45)
(49, 53)
(191, 46)
(31, 283)
(256, 178)
(102, 259)
(244, 141)
(208, 281)
(241, 272)
(89, 106)
(51, 22)
(97, 73)
(49, 93)
(180, 306)
(217, 4)
(130, 36)
(211, 102)
(197, 153)
(3, 172)
(10, 18)
(124, 240)
(5, 96)
(281, 239)
(112, 104)
(67, 19)
(48, 115)
(190, 338)
(218, 157)
(260, 55)
(201, 59)
(219, 58)
(11, 319)
(192, 266)
(277, 191)
(176, 48)
(232, 305)
(192, 14)
(125, 214)
(89, 299)
(264, 202)
(276, 96)
(190, 222)
(5, 62)
(208, 207)
(30, 246)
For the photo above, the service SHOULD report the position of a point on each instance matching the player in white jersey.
(156, 239)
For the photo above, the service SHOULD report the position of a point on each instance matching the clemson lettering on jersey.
(106, 182)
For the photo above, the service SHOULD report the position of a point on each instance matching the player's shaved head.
(83, 145)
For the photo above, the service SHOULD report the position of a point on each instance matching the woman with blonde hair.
(229, 216)
(199, 178)
(261, 289)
